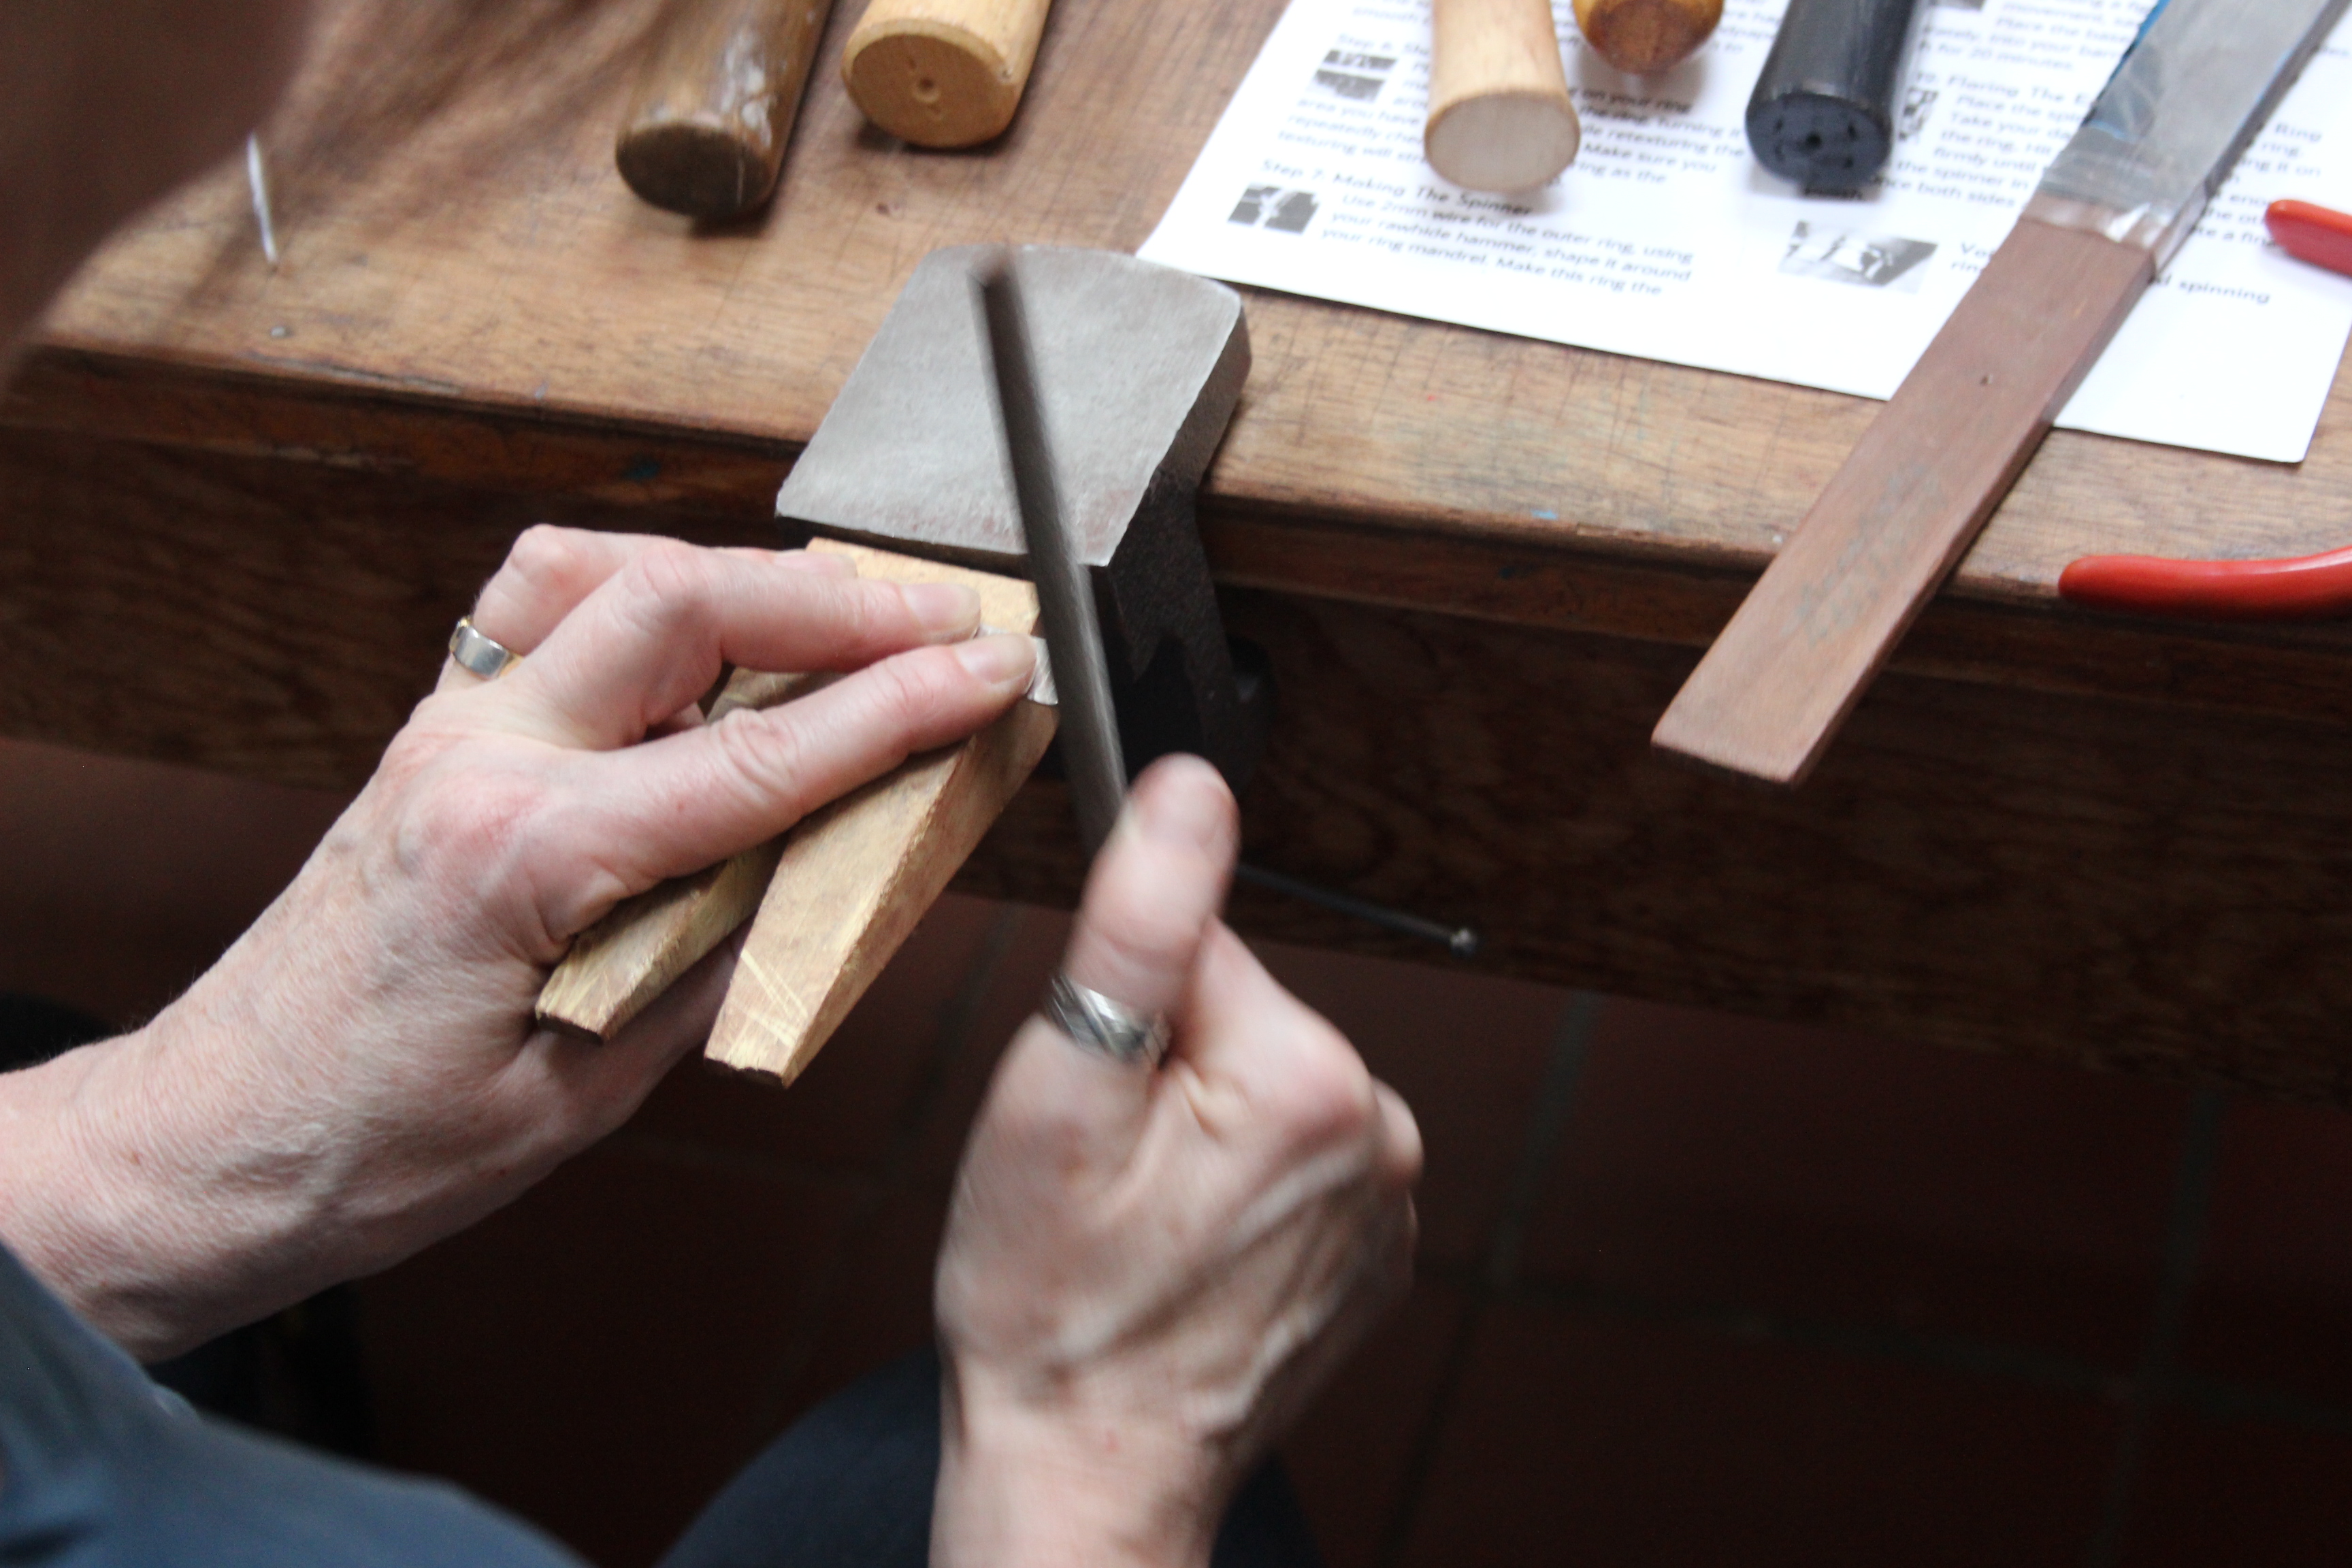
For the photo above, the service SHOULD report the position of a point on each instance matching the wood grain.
(470, 295)
(1499, 115)
(1644, 37)
(2152, 883)
(856, 877)
(943, 73)
(705, 130)
(1804, 646)
(619, 965)
(2030, 872)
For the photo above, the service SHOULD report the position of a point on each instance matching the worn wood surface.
(1904, 506)
(619, 965)
(240, 508)
(470, 294)
(856, 876)
(707, 125)
(2047, 869)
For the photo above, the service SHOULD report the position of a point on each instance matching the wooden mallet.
(943, 73)
(1499, 115)
(705, 129)
(1643, 38)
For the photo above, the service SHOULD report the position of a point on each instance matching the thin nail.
(944, 610)
(1005, 659)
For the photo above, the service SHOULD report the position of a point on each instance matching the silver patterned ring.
(478, 655)
(1109, 1028)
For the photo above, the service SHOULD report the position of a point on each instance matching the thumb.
(1156, 887)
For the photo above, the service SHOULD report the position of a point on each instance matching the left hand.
(360, 1074)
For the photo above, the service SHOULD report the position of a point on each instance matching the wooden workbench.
(244, 505)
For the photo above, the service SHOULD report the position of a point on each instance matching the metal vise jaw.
(1139, 368)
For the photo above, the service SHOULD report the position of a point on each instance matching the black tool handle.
(1823, 110)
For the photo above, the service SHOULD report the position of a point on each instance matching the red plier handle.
(2321, 236)
(2307, 588)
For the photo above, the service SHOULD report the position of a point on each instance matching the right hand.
(1146, 1274)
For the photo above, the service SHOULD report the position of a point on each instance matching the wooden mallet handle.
(943, 73)
(1642, 38)
(1499, 114)
(706, 127)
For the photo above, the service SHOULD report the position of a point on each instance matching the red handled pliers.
(2307, 587)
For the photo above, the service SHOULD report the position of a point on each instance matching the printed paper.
(1667, 240)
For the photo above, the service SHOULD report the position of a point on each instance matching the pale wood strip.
(853, 883)
(618, 966)
(856, 877)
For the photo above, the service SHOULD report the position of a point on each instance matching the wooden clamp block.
(618, 966)
(858, 874)
(836, 896)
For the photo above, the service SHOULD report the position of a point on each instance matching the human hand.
(360, 1074)
(1147, 1273)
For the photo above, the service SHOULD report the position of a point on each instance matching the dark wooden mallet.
(706, 127)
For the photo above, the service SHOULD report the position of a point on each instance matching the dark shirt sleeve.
(100, 1466)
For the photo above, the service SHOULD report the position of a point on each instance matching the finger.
(604, 1084)
(688, 800)
(1398, 1139)
(655, 634)
(550, 570)
(1152, 894)
(1156, 887)
(1261, 1062)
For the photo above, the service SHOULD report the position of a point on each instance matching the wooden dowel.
(706, 127)
(1499, 114)
(1900, 512)
(943, 73)
(1643, 38)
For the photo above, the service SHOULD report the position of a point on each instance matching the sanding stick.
(943, 73)
(706, 127)
(1499, 115)
(2112, 209)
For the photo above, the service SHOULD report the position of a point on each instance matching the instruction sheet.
(1666, 239)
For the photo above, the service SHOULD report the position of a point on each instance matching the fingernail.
(1184, 807)
(943, 609)
(1005, 659)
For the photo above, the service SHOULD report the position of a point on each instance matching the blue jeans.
(100, 1466)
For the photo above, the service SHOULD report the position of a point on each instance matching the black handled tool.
(1824, 111)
